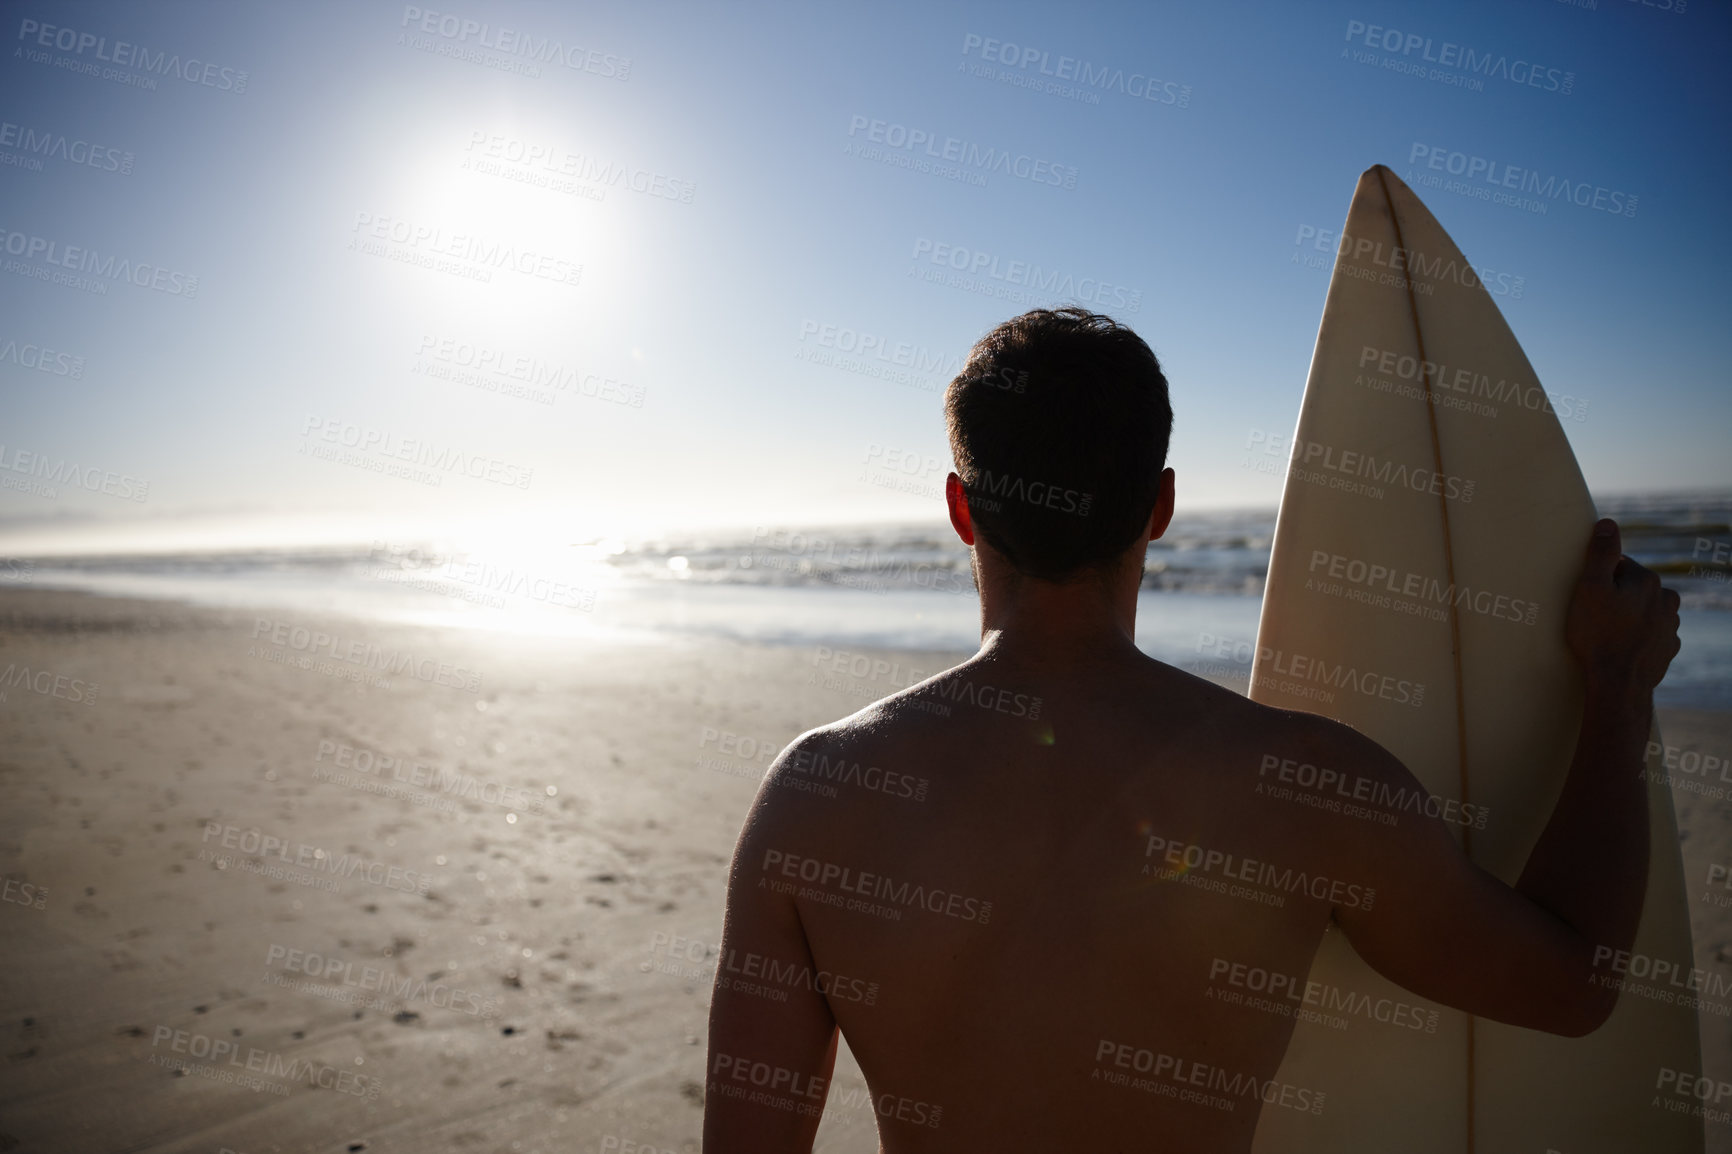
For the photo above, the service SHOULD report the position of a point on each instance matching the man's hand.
(1440, 918)
(1622, 624)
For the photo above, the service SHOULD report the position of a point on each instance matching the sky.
(315, 272)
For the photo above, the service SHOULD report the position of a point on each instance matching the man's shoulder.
(878, 754)
(920, 712)
(861, 738)
(1230, 721)
(1180, 689)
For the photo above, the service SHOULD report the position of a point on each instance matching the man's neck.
(1044, 623)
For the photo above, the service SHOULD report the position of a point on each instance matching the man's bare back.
(1020, 887)
(1001, 981)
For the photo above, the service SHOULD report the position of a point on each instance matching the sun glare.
(493, 210)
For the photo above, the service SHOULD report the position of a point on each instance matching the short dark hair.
(1059, 424)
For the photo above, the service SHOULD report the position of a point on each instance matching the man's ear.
(956, 499)
(1162, 515)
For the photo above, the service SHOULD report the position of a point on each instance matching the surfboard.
(1431, 528)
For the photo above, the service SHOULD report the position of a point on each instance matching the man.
(976, 917)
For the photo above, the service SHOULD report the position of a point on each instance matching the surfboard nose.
(1381, 176)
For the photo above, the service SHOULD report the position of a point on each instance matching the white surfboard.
(1432, 527)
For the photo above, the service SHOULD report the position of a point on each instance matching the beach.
(263, 900)
(521, 961)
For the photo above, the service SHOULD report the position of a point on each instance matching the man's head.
(1059, 425)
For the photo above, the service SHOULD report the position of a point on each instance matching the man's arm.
(770, 1060)
(1448, 930)
(1590, 866)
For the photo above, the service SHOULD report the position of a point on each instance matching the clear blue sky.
(701, 310)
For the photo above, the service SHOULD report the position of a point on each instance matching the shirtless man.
(972, 910)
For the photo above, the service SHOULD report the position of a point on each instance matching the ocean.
(904, 586)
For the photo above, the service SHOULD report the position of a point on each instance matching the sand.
(494, 968)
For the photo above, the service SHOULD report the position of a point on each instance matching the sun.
(496, 231)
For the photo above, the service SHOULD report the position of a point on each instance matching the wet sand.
(496, 940)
